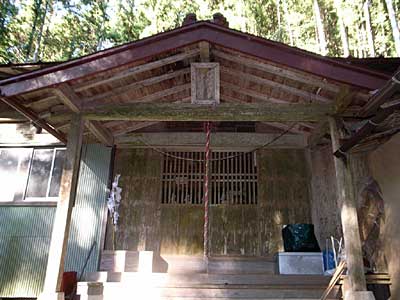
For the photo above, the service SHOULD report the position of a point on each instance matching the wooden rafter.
(296, 76)
(139, 69)
(133, 127)
(73, 102)
(342, 102)
(32, 116)
(151, 97)
(98, 99)
(272, 84)
(222, 112)
(251, 93)
(283, 126)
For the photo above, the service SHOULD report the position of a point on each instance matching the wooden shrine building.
(280, 135)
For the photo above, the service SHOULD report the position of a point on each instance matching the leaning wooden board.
(335, 278)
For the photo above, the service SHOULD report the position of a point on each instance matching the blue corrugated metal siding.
(87, 216)
(25, 232)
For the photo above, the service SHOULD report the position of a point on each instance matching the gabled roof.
(156, 70)
(186, 35)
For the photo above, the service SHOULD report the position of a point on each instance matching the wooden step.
(163, 279)
(118, 290)
(127, 261)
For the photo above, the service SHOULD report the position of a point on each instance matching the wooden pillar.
(62, 220)
(348, 211)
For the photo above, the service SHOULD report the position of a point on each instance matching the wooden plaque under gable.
(205, 83)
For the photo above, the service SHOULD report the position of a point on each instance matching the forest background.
(51, 30)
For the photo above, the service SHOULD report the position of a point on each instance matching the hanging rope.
(206, 180)
(223, 158)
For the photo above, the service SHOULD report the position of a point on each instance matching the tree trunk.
(368, 28)
(393, 23)
(288, 23)
(320, 28)
(278, 14)
(40, 33)
(342, 29)
(36, 11)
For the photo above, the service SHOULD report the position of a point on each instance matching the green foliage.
(57, 30)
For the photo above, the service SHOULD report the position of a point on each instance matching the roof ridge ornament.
(218, 19)
(190, 18)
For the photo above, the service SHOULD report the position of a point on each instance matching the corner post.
(348, 211)
(62, 220)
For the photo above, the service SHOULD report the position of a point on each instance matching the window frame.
(248, 177)
(23, 200)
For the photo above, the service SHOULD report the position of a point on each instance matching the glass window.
(40, 173)
(32, 174)
(8, 173)
(57, 172)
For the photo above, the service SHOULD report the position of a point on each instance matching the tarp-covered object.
(299, 238)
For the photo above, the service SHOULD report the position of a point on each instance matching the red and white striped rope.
(206, 181)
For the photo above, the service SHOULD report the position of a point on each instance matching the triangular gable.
(201, 31)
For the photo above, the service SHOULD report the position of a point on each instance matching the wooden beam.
(342, 102)
(204, 51)
(31, 115)
(248, 92)
(133, 127)
(348, 211)
(294, 129)
(99, 99)
(219, 140)
(62, 219)
(221, 112)
(75, 103)
(286, 73)
(283, 87)
(139, 69)
(382, 95)
(318, 134)
(151, 97)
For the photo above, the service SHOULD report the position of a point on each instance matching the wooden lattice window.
(233, 178)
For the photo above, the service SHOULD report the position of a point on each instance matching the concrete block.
(309, 263)
(359, 295)
(145, 262)
(51, 296)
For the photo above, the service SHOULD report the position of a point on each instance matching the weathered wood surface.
(248, 230)
(75, 103)
(62, 219)
(307, 96)
(325, 213)
(127, 261)
(348, 206)
(140, 206)
(222, 112)
(284, 196)
(197, 279)
(219, 140)
(205, 83)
